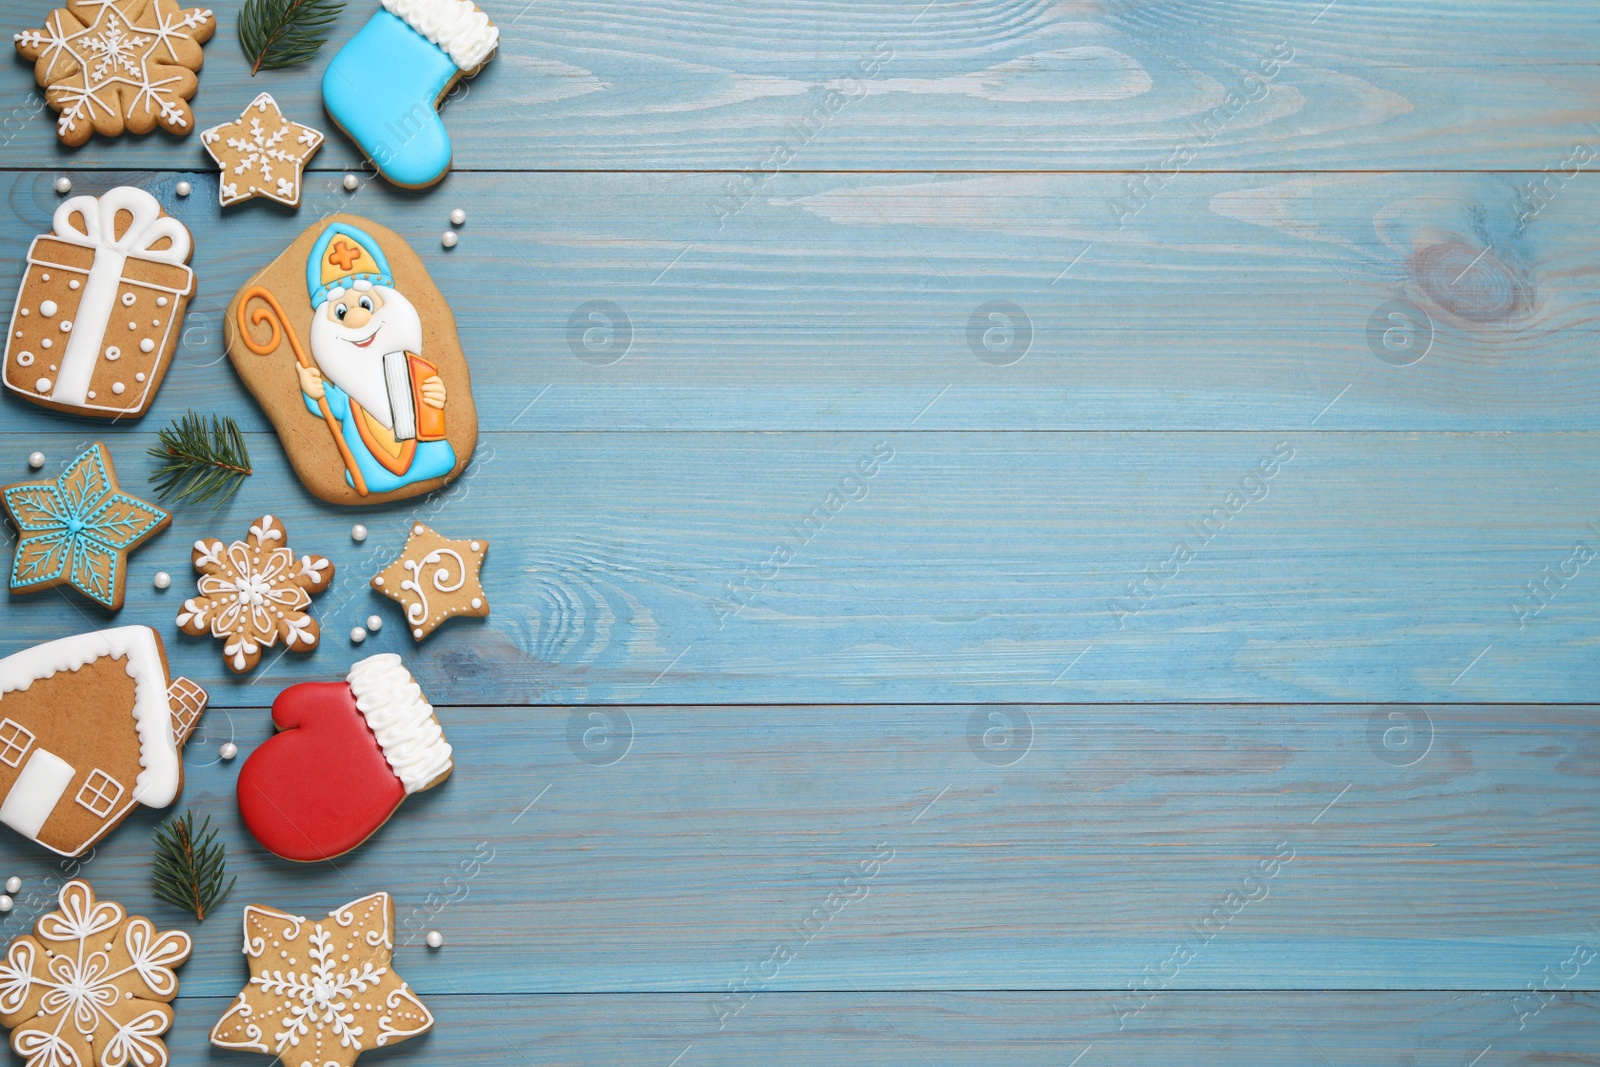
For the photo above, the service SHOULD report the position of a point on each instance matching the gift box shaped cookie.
(101, 306)
(89, 727)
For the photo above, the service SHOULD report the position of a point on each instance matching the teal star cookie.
(79, 530)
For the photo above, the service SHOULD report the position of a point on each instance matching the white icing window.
(15, 740)
(100, 792)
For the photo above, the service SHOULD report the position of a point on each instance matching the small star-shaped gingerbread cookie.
(434, 579)
(321, 992)
(78, 530)
(261, 153)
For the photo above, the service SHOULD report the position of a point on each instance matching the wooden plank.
(1164, 847)
(864, 302)
(768, 568)
(852, 1029)
(902, 84)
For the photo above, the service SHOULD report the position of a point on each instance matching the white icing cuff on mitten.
(402, 720)
(457, 26)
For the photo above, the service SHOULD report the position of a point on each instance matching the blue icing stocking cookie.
(384, 86)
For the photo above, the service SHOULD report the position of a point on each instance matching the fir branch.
(188, 867)
(201, 460)
(285, 33)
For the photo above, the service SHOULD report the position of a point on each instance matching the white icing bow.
(98, 229)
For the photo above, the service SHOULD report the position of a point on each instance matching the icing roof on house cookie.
(161, 772)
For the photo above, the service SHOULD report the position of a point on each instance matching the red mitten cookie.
(347, 753)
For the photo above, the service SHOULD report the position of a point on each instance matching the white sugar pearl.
(163, 579)
(447, 239)
(228, 750)
(118, 388)
(457, 217)
(43, 385)
(147, 345)
(6, 903)
(35, 460)
(47, 308)
(184, 188)
(435, 939)
(13, 884)
(374, 623)
(358, 532)
(63, 186)
(357, 635)
(351, 181)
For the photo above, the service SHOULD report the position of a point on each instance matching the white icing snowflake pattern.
(91, 986)
(253, 592)
(322, 992)
(113, 65)
(261, 153)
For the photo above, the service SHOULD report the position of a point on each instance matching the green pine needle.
(188, 868)
(201, 460)
(285, 33)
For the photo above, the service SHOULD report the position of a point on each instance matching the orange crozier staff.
(279, 322)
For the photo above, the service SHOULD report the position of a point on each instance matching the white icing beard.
(359, 371)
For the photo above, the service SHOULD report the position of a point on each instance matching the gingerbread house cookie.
(89, 727)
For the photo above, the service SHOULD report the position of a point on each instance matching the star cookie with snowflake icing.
(253, 592)
(91, 986)
(110, 66)
(261, 153)
(321, 992)
(78, 530)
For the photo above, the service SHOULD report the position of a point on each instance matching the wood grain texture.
(767, 568)
(855, 302)
(994, 85)
(1246, 1029)
(674, 849)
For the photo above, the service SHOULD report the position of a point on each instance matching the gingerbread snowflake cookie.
(253, 592)
(435, 579)
(114, 65)
(91, 986)
(261, 153)
(321, 991)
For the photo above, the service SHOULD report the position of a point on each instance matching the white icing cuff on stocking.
(402, 720)
(457, 26)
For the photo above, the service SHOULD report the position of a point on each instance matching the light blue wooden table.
(1063, 307)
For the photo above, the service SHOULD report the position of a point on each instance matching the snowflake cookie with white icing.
(321, 992)
(91, 986)
(110, 66)
(261, 153)
(253, 592)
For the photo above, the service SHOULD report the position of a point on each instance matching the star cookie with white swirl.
(435, 579)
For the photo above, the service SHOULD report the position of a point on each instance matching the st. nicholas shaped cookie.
(352, 352)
